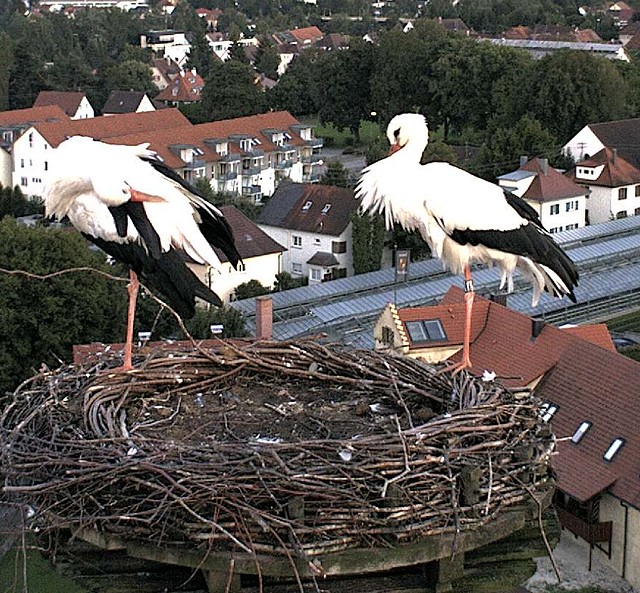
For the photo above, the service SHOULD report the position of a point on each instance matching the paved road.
(354, 163)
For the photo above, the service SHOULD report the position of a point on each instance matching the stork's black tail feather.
(167, 274)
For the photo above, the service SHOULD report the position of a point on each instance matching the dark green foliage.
(298, 89)
(285, 281)
(336, 174)
(231, 319)
(368, 241)
(230, 92)
(40, 320)
(250, 289)
(13, 203)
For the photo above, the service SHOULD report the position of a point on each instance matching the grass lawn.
(335, 138)
(41, 577)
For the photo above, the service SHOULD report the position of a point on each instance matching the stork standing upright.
(464, 219)
(136, 209)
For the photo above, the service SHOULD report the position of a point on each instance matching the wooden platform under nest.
(298, 452)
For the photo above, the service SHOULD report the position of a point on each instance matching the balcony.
(310, 177)
(592, 533)
(230, 158)
(252, 190)
(314, 142)
(250, 171)
(285, 149)
(226, 176)
(312, 159)
(195, 164)
(285, 164)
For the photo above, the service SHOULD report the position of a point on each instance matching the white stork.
(136, 209)
(464, 219)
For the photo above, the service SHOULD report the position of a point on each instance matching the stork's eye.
(396, 133)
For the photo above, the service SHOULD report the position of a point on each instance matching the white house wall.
(6, 168)
(31, 157)
(612, 509)
(85, 111)
(295, 259)
(262, 268)
(584, 143)
(564, 219)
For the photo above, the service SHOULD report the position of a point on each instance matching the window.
(296, 269)
(316, 274)
(554, 209)
(429, 330)
(555, 229)
(614, 447)
(24, 181)
(46, 165)
(316, 241)
(570, 227)
(622, 193)
(22, 163)
(637, 190)
(338, 246)
(572, 205)
(296, 241)
(387, 335)
(547, 411)
(326, 208)
(636, 211)
(307, 206)
(578, 434)
(621, 214)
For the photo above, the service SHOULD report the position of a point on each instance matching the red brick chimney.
(264, 318)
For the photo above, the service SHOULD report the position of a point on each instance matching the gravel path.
(572, 557)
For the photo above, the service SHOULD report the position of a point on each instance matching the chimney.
(614, 155)
(500, 298)
(523, 160)
(264, 317)
(544, 166)
(537, 325)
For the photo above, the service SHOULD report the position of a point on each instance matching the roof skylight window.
(614, 447)
(548, 410)
(307, 206)
(326, 208)
(578, 434)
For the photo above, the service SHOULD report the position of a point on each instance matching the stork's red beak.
(139, 196)
(394, 148)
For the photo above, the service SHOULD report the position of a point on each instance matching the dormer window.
(307, 206)
(426, 330)
(614, 447)
(326, 208)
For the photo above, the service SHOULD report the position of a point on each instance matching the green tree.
(344, 87)
(14, 203)
(368, 235)
(250, 289)
(297, 90)
(130, 76)
(336, 174)
(6, 60)
(285, 281)
(570, 89)
(230, 92)
(40, 320)
(231, 319)
(267, 60)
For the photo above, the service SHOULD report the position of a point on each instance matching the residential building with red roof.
(303, 37)
(261, 258)
(314, 223)
(613, 184)
(163, 71)
(185, 88)
(13, 124)
(588, 393)
(32, 150)
(74, 103)
(559, 202)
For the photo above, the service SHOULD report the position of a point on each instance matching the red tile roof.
(314, 208)
(113, 125)
(68, 101)
(32, 115)
(585, 378)
(549, 184)
(307, 35)
(184, 88)
(502, 339)
(589, 384)
(254, 125)
(617, 171)
(250, 240)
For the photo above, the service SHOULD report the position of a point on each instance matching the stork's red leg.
(132, 289)
(469, 294)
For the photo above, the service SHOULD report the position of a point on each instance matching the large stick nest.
(290, 448)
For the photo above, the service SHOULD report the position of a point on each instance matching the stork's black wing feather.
(213, 226)
(167, 274)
